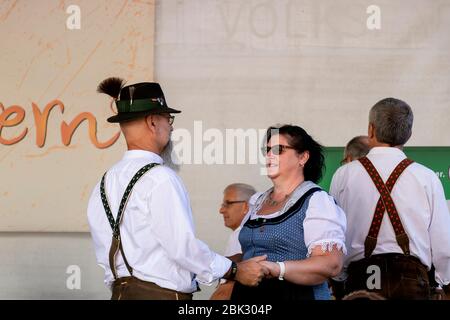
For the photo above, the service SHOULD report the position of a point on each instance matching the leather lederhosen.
(402, 276)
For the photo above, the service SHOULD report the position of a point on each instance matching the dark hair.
(357, 148)
(301, 141)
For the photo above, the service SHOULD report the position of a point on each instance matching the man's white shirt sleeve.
(439, 237)
(173, 228)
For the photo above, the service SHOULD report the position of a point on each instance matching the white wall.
(249, 64)
(35, 266)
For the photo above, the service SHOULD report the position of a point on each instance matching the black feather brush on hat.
(111, 87)
(135, 100)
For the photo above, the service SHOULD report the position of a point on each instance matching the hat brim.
(127, 116)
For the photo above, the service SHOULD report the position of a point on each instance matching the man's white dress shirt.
(233, 245)
(420, 201)
(157, 228)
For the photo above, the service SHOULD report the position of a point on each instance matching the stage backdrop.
(435, 158)
(319, 64)
(227, 63)
(54, 140)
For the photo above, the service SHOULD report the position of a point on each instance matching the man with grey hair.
(356, 148)
(392, 255)
(234, 207)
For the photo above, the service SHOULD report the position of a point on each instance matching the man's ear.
(246, 207)
(371, 131)
(150, 121)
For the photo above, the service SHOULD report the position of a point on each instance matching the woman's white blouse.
(324, 224)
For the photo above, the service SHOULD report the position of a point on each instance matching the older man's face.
(233, 209)
(163, 127)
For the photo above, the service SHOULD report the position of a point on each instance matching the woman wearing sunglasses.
(296, 224)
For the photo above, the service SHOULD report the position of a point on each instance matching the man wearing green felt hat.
(137, 100)
(139, 213)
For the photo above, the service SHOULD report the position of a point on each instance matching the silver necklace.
(271, 202)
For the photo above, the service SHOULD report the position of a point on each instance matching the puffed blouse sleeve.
(325, 223)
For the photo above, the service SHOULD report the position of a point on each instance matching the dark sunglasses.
(276, 149)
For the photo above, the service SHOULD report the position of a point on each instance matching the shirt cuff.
(327, 245)
(219, 266)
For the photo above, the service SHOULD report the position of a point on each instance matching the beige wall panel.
(46, 187)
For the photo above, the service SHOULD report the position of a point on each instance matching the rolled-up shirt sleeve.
(325, 224)
(172, 226)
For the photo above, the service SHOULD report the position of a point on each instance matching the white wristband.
(282, 270)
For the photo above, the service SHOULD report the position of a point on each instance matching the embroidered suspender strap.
(116, 243)
(385, 203)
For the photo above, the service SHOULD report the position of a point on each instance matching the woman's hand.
(250, 272)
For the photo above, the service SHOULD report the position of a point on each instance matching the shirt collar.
(136, 154)
(237, 230)
(386, 150)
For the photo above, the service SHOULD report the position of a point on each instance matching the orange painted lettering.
(41, 120)
(67, 130)
(7, 121)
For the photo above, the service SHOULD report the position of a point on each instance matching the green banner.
(435, 158)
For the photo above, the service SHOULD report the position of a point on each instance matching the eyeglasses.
(227, 204)
(171, 119)
(276, 149)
